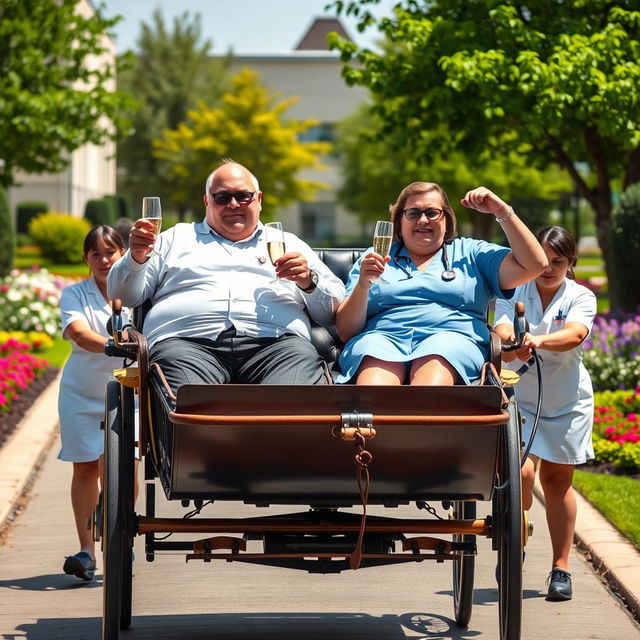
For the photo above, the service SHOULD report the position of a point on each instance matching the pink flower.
(632, 417)
(610, 430)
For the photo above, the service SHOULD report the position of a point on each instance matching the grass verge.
(616, 497)
(59, 352)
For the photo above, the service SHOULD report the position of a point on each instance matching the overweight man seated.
(220, 311)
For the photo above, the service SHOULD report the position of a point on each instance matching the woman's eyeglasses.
(225, 197)
(433, 214)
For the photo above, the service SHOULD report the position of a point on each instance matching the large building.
(92, 169)
(313, 73)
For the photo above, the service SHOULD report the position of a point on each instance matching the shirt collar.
(203, 228)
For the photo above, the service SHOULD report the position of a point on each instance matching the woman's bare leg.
(528, 480)
(433, 370)
(560, 502)
(85, 486)
(374, 371)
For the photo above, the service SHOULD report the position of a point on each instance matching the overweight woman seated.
(426, 323)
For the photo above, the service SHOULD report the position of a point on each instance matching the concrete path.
(242, 602)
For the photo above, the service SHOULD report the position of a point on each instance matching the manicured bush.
(123, 206)
(59, 236)
(100, 212)
(625, 248)
(26, 211)
(7, 237)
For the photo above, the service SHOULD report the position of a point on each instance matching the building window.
(318, 222)
(323, 132)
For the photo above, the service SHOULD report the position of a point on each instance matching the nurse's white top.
(85, 375)
(566, 419)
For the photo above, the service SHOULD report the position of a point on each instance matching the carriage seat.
(325, 339)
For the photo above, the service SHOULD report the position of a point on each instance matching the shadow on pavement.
(49, 582)
(249, 626)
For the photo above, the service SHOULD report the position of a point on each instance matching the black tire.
(508, 518)
(118, 511)
(463, 568)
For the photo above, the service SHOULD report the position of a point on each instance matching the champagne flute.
(152, 211)
(274, 235)
(382, 238)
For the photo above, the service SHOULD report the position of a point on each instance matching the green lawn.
(616, 497)
(57, 355)
(27, 257)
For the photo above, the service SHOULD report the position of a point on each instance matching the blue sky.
(249, 26)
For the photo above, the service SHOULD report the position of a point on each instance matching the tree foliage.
(7, 237)
(170, 73)
(374, 173)
(250, 127)
(554, 81)
(53, 97)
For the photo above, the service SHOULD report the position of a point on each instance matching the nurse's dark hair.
(561, 242)
(107, 234)
(418, 188)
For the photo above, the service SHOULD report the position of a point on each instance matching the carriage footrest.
(203, 548)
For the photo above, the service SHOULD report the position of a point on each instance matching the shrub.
(25, 211)
(59, 236)
(7, 239)
(100, 212)
(625, 248)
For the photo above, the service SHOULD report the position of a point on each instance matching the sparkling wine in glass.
(274, 235)
(382, 238)
(152, 211)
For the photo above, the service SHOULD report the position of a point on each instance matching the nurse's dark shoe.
(81, 566)
(559, 582)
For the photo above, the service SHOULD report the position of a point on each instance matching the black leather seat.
(325, 339)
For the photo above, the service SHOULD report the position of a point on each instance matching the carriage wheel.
(507, 509)
(463, 567)
(118, 510)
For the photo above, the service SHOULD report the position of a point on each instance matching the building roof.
(316, 36)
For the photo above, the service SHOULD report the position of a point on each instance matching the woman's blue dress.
(419, 313)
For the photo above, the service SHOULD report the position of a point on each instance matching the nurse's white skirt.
(565, 439)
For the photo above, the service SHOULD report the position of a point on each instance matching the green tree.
(374, 173)
(7, 238)
(249, 126)
(553, 81)
(171, 71)
(53, 97)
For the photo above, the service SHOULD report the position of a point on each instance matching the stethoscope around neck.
(447, 275)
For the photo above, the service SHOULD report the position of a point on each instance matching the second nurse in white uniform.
(85, 309)
(560, 314)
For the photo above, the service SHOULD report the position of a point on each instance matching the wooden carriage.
(323, 449)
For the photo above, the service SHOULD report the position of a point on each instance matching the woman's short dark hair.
(562, 243)
(418, 188)
(107, 234)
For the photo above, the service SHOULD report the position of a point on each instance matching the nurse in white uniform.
(560, 314)
(85, 310)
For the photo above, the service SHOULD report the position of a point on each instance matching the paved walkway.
(241, 602)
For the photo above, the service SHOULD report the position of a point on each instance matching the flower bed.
(29, 301)
(611, 351)
(18, 368)
(616, 437)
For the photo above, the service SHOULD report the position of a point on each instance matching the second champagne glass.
(274, 235)
(382, 238)
(152, 211)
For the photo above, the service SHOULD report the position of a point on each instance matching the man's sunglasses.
(433, 214)
(225, 197)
